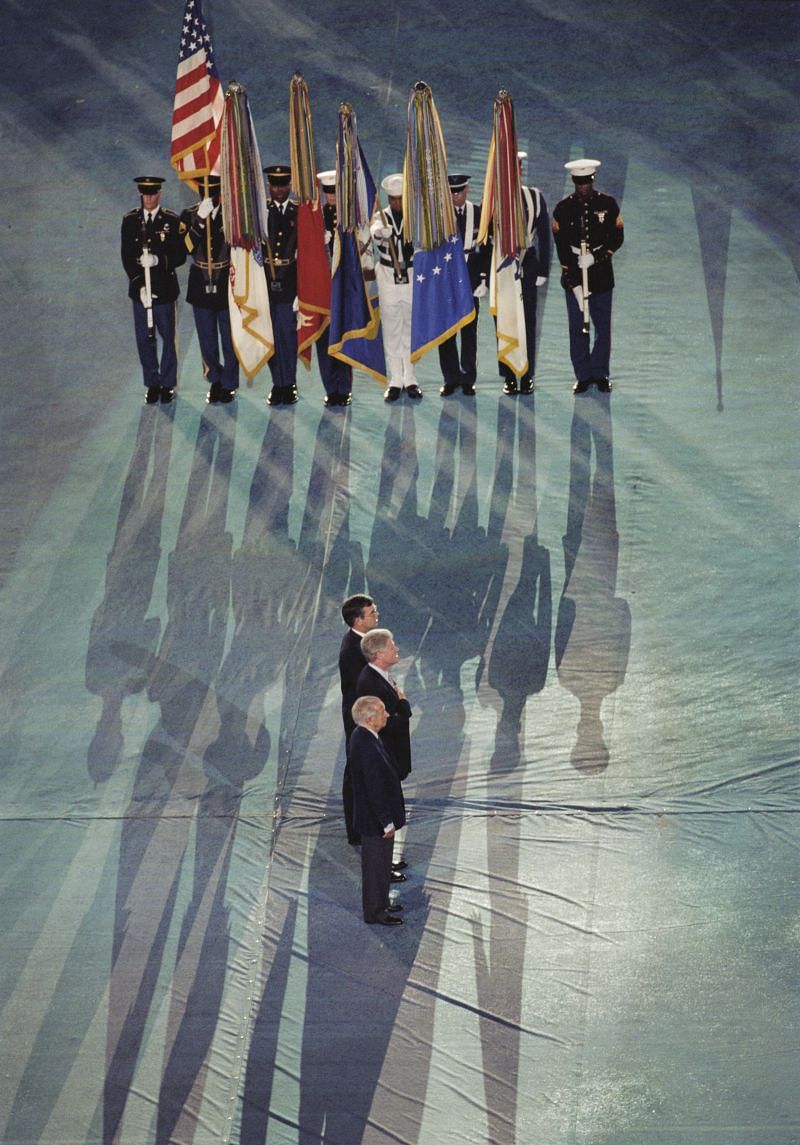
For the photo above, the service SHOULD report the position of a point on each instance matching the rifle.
(148, 288)
(585, 287)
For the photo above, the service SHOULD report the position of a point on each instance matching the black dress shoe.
(400, 865)
(389, 920)
(447, 390)
(213, 395)
(468, 389)
(289, 395)
(392, 394)
(227, 396)
(345, 399)
(510, 387)
(275, 396)
(603, 385)
(414, 392)
(153, 395)
(581, 387)
(167, 395)
(395, 907)
(330, 401)
(397, 877)
(526, 387)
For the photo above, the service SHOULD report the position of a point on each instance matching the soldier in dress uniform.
(535, 265)
(462, 370)
(337, 376)
(151, 248)
(280, 267)
(588, 230)
(208, 292)
(393, 272)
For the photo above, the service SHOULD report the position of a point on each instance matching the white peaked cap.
(393, 184)
(581, 168)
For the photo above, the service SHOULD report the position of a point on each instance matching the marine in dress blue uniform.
(461, 369)
(589, 216)
(150, 233)
(535, 265)
(280, 267)
(208, 293)
(337, 376)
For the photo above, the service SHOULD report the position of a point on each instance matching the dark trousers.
(347, 803)
(337, 376)
(376, 874)
(461, 370)
(214, 331)
(163, 374)
(590, 359)
(283, 363)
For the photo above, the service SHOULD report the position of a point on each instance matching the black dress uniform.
(280, 267)
(462, 370)
(589, 216)
(154, 232)
(337, 376)
(208, 294)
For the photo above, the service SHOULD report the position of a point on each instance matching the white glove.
(541, 280)
(585, 261)
(304, 319)
(143, 297)
(295, 305)
(481, 290)
(148, 259)
(382, 232)
(205, 209)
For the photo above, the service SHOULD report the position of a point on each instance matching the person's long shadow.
(308, 790)
(593, 629)
(170, 792)
(122, 638)
(516, 670)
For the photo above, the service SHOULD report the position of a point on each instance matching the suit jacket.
(396, 736)
(377, 794)
(351, 664)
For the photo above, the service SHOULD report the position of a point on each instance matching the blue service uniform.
(597, 220)
(211, 314)
(337, 376)
(461, 369)
(159, 235)
(281, 272)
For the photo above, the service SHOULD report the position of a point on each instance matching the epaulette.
(167, 211)
(135, 211)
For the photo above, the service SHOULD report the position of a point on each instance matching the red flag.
(199, 101)
(313, 279)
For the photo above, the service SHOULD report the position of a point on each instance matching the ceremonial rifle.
(585, 285)
(148, 289)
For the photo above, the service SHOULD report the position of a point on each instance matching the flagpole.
(210, 286)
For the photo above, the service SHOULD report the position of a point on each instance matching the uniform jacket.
(351, 665)
(536, 260)
(478, 257)
(599, 221)
(404, 250)
(193, 230)
(396, 736)
(282, 231)
(377, 794)
(164, 241)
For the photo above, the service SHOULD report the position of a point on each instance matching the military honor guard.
(337, 376)
(535, 265)
(151, 249)
(201, 227)
(393, 270)
(587, 226)
(280, 267)
(460, 371)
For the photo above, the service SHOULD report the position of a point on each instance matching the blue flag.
(442, 298)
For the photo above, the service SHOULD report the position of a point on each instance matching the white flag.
(248, 304)
(505, 303)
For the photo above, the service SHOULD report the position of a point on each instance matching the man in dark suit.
(381, 654)
(379, 809)
(360, 614)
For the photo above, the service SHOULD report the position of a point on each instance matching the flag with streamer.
(313, 270)
(502, 209)
(442, 298)
(244, 221)
(355, 335)
(199, 102)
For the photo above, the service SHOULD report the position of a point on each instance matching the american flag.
(199, 100)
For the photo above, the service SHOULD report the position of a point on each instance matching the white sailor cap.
(582, 168)
(393, 184)
(522, 155)
(327, 180)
